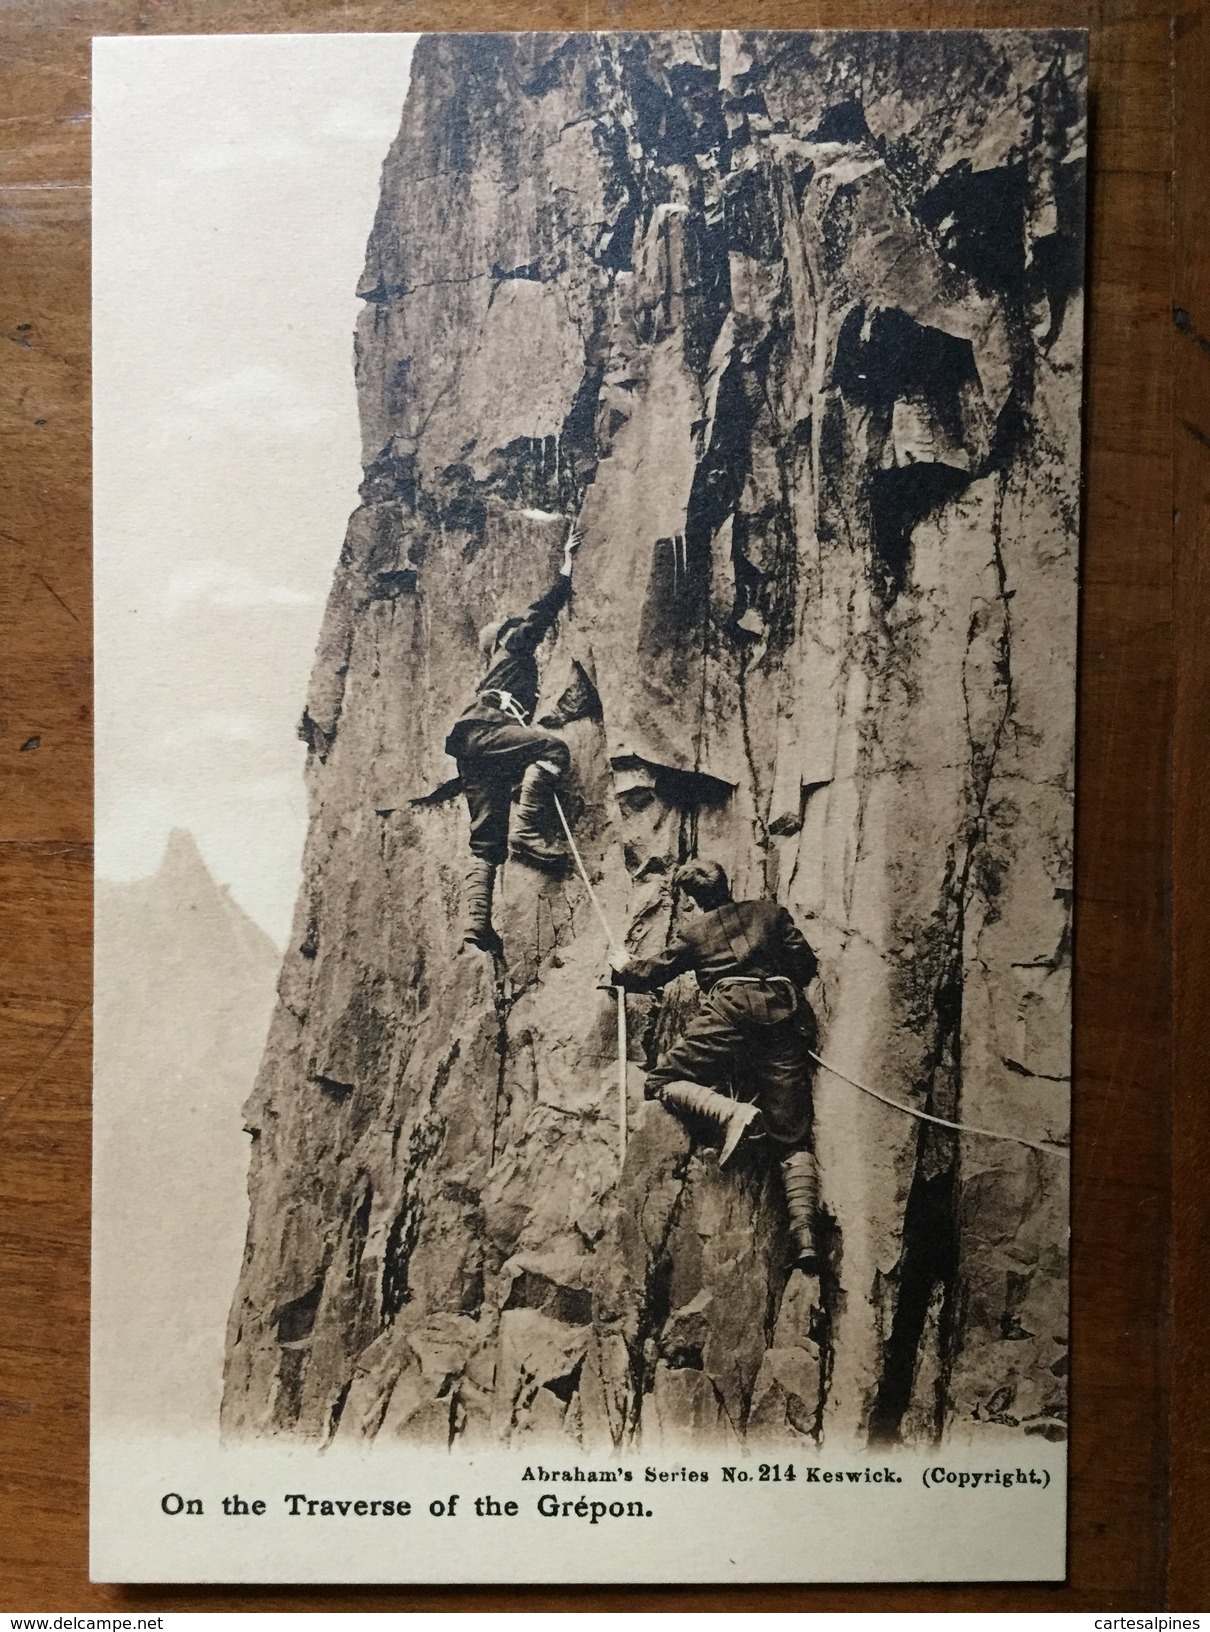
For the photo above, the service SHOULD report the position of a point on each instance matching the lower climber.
(496, 748)
(754, 1030)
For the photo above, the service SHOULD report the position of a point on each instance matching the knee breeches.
(492, 758)
(768, 1064)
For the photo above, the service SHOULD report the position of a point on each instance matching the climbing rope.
(614, 943)
(614, 946)
(1043, 1145)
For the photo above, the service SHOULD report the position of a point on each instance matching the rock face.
(796, 319)
(185, 990)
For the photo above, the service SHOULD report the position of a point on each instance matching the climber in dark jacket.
(496, 747)
(754, 1029)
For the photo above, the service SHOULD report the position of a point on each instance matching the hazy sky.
(235, 183)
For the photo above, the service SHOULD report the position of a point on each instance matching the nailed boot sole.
(736, 1135)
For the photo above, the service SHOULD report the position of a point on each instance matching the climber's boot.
(734, 1116)
(800, 1175)
(477, 928)
(535, 808)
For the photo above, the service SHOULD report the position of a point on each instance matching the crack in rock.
(805, 357)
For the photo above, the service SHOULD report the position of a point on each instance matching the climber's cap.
(492, 634)
(704, 882)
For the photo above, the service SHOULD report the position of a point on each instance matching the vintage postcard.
(586, 559)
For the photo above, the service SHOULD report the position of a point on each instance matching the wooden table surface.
(1140, 1514)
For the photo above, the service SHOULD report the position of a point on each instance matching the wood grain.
(1189, 1563)
(1121, 1517)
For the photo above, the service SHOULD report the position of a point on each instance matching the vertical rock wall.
(796, 319)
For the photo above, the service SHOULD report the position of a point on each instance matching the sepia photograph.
(587, 534)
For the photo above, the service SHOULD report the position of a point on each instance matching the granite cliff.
(795, 321)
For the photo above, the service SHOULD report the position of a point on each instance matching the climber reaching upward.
(753, 1030)
(496, 747)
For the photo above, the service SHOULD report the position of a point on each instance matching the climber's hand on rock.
(574, 539)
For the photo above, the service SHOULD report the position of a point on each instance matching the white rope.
(1043, 1145)
(615, 946)
(958, 1127)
